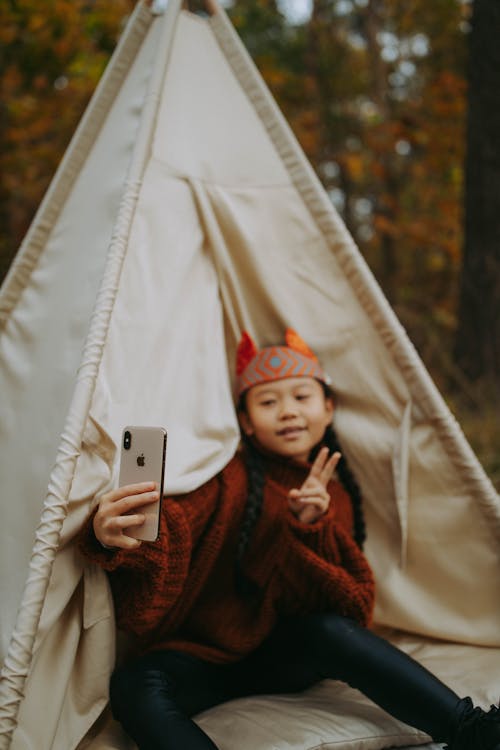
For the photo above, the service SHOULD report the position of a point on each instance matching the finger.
(108, 528)
(307, 511)
(134, 519)
(113, 533)
(306, 493)
(320, 505)
(309, 493)
(126, 542)
(132, 502)
(320, 500)
(309, 488)
(295, 506)
(329, 467)
(131, 543)
(128, 489)
(310, 514)
(319, 462)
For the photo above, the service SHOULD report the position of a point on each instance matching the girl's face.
(287, 417)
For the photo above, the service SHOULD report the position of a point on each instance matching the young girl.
(257, 583)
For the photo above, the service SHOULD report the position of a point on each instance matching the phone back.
(142, 459)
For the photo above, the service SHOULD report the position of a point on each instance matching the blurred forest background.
(397, 106)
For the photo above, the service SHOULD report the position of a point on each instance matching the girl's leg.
(386, 675)
(307, 649)
(154, 696)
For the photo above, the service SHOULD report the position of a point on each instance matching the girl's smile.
(288, 416)
(290, 430)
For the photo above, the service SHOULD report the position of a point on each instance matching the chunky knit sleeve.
(323, 569)
(148, 581)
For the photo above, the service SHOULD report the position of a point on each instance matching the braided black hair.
(256, 475)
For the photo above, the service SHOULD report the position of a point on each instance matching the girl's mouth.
(290, 431)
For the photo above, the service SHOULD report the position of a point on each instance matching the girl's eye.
(267, 402)
(302, 396)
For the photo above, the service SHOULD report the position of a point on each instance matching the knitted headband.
(295, 360)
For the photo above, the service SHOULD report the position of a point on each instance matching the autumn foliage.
(52, 55)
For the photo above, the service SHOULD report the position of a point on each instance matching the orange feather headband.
(295, 360)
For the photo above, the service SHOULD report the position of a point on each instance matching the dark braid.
(348, 482)
(255, 469)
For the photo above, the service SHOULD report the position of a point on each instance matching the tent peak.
(158, 7)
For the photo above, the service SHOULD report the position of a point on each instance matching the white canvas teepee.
(183, 212)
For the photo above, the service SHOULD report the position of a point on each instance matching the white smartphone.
(142, 459)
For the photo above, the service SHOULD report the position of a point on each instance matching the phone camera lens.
(127, 440)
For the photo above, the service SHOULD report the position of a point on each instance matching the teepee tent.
(183, 212)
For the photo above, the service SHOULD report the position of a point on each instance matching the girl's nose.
(288, 408)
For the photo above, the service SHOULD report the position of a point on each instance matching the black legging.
(154, 696)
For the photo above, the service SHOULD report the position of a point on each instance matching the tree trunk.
(389, 188)
(477, 348)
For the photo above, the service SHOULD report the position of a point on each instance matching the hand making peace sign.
(312, 500)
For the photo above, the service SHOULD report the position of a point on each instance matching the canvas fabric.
(221, 227)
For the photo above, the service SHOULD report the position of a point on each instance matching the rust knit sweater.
(179, 592)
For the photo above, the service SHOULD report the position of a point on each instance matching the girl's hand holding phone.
(116, 514)
(312, 500)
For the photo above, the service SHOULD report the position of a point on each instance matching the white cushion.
(330, 716)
